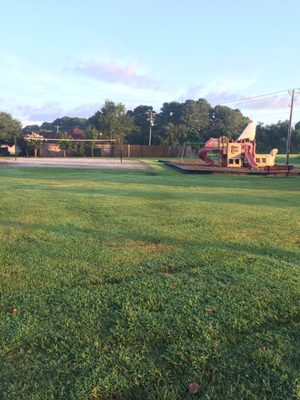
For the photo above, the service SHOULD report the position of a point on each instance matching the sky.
(66, 57)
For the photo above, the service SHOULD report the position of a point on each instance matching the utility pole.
(151, 115)
(289, 135)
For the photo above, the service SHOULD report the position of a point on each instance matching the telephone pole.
(151, 115)
(289, 135)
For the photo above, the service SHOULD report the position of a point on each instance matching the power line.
(259, 96)
(274, 113)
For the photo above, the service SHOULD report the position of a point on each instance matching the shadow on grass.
(164, 176)
(210, 246)
(231, 197)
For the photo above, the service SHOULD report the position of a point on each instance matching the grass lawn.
(294, 159)
(132, 285)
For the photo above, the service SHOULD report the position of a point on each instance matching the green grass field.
(294, 159)
(132, 285)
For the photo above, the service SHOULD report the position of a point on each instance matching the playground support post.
(289, 135)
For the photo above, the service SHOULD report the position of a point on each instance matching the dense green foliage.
(176, 123)
(65, 145)
(33, 143)
(275, 135)
(65, 124)
(9, 127)
(113, 121)
(132, 285)
(140, 131)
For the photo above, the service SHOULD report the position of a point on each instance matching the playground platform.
(196, 167)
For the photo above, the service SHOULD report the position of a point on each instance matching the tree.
(226, 121)
(295, 142)
(65, 145)
(113, 121)
(170, 129)
(182, 122)
(195, 118)
(31, 129)
(275, 136)
(80, 149)
(47, 126)
(173, 134)
(69, 123)
(140, 131)
(35, 141)
(93, 134)
(64, 124)
(9, 127)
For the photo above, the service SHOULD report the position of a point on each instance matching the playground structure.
(237, 153)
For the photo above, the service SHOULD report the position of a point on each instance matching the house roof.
(77, 133)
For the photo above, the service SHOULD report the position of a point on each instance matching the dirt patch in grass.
(100, 163)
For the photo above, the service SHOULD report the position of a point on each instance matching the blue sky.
(67, 57)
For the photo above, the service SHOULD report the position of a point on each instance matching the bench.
(279, 169)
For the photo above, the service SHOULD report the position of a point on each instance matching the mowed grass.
(132, 285)
(294, 159)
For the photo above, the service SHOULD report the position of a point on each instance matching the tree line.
(192, 121)
(175, 123)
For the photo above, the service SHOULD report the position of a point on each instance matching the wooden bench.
(279, 170)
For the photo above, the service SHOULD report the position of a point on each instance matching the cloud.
(27, 122)
(45, 112)
(244, 100)
(220, 91)
(48, 112)
(193, 92)
(114, 72)
(277, 102)
(85, 110)
(216, 97)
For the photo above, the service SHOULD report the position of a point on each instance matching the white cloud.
(30, 122)
(220, 91)
(277, 102)
(33, 92)
(114, 72)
